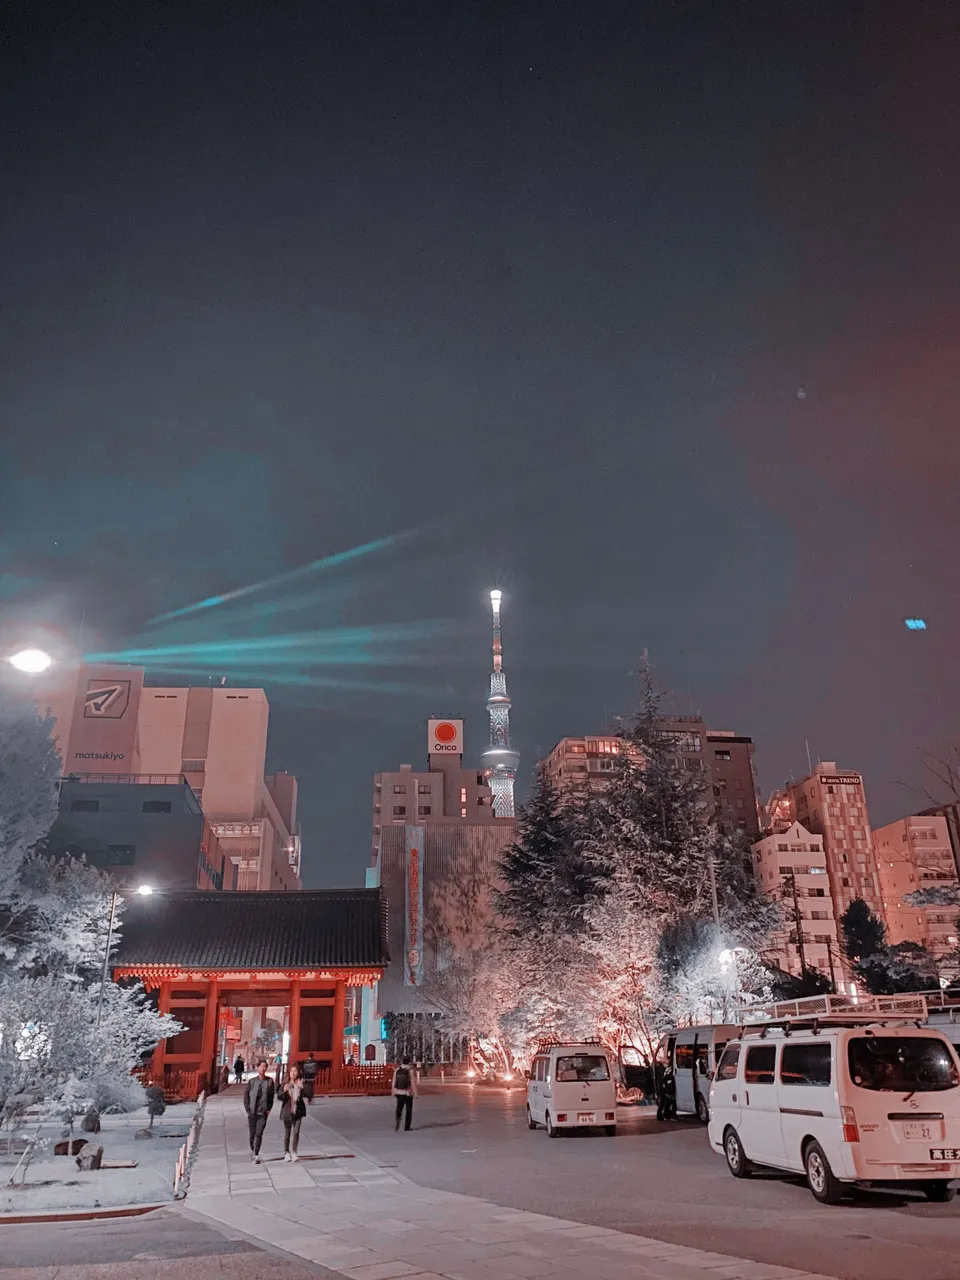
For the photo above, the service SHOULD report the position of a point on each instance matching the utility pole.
(833, 973)
(798, 921)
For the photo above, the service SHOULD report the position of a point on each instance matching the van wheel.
(610, 1130)
(820, 1178)
(703, 1111)
(531, 1123)
(939, 1192)
(552, 1130)
(737, 1161)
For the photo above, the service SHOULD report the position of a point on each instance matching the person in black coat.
(258, 1103)
(239, 1067)
(292, 1110)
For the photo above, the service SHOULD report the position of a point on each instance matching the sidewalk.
(348, 1214)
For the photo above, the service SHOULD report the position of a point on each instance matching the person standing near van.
(404, 1090)
(666, 1092)
(310, 1069)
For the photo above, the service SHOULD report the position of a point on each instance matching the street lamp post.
(144, 890)
(30, 662)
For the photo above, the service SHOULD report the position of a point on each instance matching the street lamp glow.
(495, 598)
(144, 890)
(30, 661)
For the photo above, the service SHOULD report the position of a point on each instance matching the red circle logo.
(445, 732)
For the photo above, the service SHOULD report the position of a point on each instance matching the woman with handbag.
(292, 1110)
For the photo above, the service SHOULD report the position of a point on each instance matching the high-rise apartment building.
(726, 758)
(912, 854)
(831, 803)
(110, 722)
(790, 865)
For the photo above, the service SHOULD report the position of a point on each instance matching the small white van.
(842, 1101)
(572, 1086)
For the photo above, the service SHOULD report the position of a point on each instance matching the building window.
(193, 766)
(722, 755)
(84, 806)
(399, 789)
(463, 795)
(818, 871)
(782, 848)
(399, 810)
(424, 811)
(157, 806)
(423, 788)
(463, 813)
(605, 765)
(738, 784)
(117, 855)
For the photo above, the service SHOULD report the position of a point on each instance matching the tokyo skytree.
(499, 760)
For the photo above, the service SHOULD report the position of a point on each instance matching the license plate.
(945, 1153)
(585, 1117)
(917, 1131)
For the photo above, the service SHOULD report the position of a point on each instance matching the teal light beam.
(316, 566)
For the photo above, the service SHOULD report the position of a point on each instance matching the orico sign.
(445, 737)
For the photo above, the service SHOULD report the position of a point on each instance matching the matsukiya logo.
(106, 699)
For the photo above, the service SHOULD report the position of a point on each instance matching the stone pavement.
(358, 1219)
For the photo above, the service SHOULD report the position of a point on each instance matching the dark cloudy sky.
(536, 286)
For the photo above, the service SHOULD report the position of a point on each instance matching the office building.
(110, 722)
(726, 758)
(832, 803)
(912, 854)
(141, 829)
(791, 865)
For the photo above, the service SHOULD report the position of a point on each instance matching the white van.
(841, 1100)
(572, 1086)
(693, 1053)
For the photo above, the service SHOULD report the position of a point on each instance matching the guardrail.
(188, 1152)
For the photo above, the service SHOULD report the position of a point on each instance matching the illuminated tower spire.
(499, 760)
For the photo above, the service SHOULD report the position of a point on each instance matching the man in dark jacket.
(258, 1103)
(310, 1069)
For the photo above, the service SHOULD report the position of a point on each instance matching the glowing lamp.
(495, 598)
(144, 890)
(30, 661)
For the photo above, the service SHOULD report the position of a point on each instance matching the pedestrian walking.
(239, 1067)
(292, 1110)
(310, 1068)
(258, 1103)
(404, 1090)
(224, 1076)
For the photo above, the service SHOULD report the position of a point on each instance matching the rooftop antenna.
(809, 761)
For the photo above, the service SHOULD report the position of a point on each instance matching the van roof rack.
(833, 1009)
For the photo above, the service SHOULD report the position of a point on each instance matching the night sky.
(647, 313)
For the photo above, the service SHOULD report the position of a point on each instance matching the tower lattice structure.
(500, 761)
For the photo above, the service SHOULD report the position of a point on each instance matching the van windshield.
(908, 1064)
(585, 1066)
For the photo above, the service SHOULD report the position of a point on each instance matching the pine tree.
(545, 878)
(884, 969)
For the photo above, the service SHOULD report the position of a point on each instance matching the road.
(661, 1181)
(656, 1180)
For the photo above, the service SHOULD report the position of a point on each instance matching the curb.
(83, 1215)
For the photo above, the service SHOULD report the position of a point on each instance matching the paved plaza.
(345, 1211)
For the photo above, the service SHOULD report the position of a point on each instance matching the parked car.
(572, 1086)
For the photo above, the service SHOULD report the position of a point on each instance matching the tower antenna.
(500, 761)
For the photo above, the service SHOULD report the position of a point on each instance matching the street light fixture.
(32, 662)
(144, 890)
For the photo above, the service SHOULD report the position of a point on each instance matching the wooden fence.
(187, 1153)
(368, 1079)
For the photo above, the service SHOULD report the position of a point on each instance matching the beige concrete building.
(791, 865)
(443, 792)
(724, 756)
(912, 854)
(832, 803)
(110, 723)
